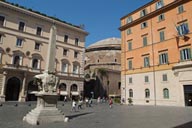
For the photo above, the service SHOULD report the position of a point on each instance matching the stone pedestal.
(2, 98)
(46, 110)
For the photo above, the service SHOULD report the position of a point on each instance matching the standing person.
(110, 102)
(73, 106)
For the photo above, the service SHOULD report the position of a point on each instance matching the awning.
(75, 93)
(63, 93)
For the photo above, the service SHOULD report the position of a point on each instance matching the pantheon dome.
(102, 68)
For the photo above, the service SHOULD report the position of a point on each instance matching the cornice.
(46, 18)
(154, 13)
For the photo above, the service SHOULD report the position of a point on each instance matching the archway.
(31, 88)
(13, 89)
(62, 89)
(74, 93)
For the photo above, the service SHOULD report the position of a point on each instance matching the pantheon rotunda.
(103, 69)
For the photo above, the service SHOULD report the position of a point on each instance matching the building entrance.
(188, 95)
(12, 89)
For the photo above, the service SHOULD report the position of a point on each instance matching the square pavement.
(101, 116)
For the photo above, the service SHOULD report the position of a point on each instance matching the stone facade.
(102, 68)
(156, 54)
(24, 37)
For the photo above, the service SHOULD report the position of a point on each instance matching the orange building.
(156, 54)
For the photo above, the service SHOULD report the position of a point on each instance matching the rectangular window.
(164, 77)
(144, 25)
(161, 17)
(129, 19)
(130, 64)
(75, 54)
(146, 79)
(162, 36)
(76, 41)
(19, 42)
(21, 26)
(185, 54)
(2, 19)
(159, 4)
(163, 58)
(65, 52)
(0, 58)
(37, 46)
(143, 13)
(130, 80)
(146, 61)
(128, 31)
(38, 32)
(144, 41)
(183, 29)
(180, 9)
(1, 39)
(66, 38)
(129, 45)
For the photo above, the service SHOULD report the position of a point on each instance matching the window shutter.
(167, 59)
(181, 55)
(189, 50)
(160, 60)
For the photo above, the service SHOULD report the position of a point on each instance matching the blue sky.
(100, 17)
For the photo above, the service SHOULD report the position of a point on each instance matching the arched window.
(130, 92)
(64, 67)
(165, 93)
(36, 61)
(63, 87)
(74, 88)
(35, 64)
(16, 60)
(147, 93)
(76, 66)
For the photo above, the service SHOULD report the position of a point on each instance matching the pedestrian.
(73, 106)
(99, 99)
(110, 102)
(87, 102)
(80, 104)
(65, 99)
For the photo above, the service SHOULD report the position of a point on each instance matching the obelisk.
(50, 63)
(46, 110)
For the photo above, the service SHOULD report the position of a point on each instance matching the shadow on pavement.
(77, 115)
(186, 125)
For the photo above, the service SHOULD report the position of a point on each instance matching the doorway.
(12, 89)
(188, 95)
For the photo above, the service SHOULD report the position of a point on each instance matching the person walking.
(80, 104)
(110, 102)
(73, 106)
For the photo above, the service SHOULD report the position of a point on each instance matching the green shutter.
(144, 41)
(167, 59)
(160, 62)
(189, 53)
(181, 55)
(162, 36)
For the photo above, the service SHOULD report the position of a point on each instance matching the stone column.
(22, 94)
(2, 96)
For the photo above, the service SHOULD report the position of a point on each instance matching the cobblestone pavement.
(101, 116)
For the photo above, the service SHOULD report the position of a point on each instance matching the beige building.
(102, 68)
(156, 54)
(24, 36)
